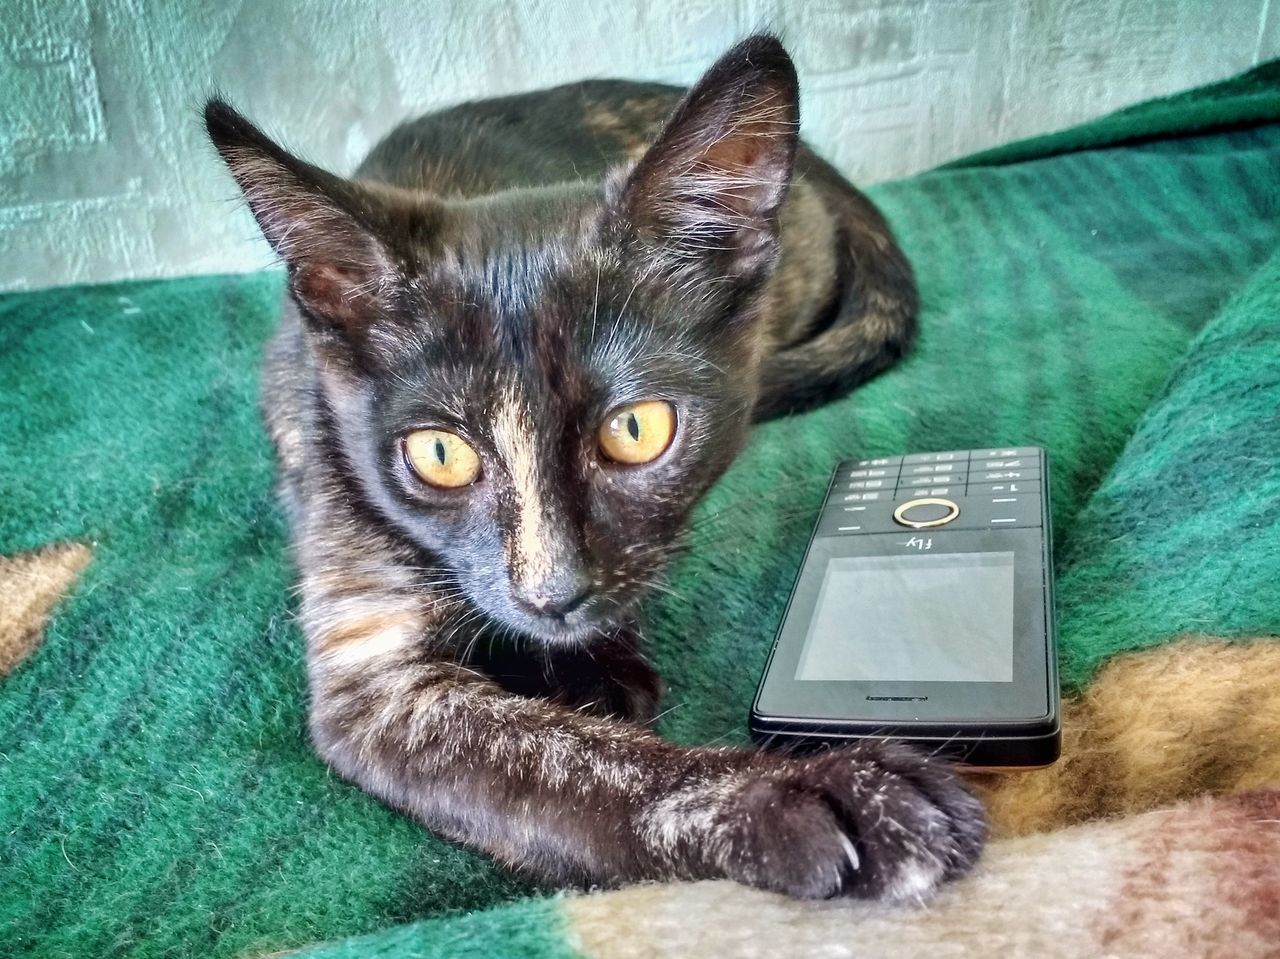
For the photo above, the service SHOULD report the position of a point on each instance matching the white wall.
(104, 173)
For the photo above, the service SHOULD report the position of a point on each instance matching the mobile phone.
(923, 612)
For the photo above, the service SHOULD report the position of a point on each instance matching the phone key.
(995, 511)
(1008, 488)
(920, 469)
(837, 520)
(861, 497)
(909, 482)
(988, 512)
(871, 484)
(1005, 452)
(878, 461)
(1013, 463)
(905, 493)
(871, 473)
(1003, 475)
(953, 456)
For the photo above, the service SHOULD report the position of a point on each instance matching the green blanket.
(1108, 293)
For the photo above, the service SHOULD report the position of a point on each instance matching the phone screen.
(928, 618)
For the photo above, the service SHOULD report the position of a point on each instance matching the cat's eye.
(638, 432)
(441, 458)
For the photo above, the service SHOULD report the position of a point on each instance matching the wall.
(104, 172)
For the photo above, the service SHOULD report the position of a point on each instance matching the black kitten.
(518, 346)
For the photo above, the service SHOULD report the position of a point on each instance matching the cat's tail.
(872, 326)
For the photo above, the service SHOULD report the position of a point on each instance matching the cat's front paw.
(874, 821)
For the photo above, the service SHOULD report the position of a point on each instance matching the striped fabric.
(1109, 295)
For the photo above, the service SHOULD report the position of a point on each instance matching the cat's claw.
(875, 821)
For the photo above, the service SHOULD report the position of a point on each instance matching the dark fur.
(511, 270)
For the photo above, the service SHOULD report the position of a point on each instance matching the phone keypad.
(994, 488)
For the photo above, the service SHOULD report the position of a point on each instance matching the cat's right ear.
(325, 228)
(712, 184)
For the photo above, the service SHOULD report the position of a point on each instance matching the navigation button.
(926, 513)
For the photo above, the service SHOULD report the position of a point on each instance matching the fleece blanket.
(1110, 293)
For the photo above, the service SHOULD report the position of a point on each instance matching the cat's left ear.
(325, 228)
(712, 184)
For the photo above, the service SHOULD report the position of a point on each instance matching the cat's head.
(536, 387)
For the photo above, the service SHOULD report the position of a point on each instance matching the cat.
(517, 347)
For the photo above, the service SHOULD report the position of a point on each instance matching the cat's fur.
(511, 270)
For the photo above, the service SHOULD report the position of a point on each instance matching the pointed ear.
(323, 227)
(713, 182)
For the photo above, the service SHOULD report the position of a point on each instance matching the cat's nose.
(558, 596)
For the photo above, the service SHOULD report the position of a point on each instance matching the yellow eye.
(638, 432)
(441, 458)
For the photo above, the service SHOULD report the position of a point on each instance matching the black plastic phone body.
(923, 612)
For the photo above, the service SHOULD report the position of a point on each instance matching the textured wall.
(104, 174)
